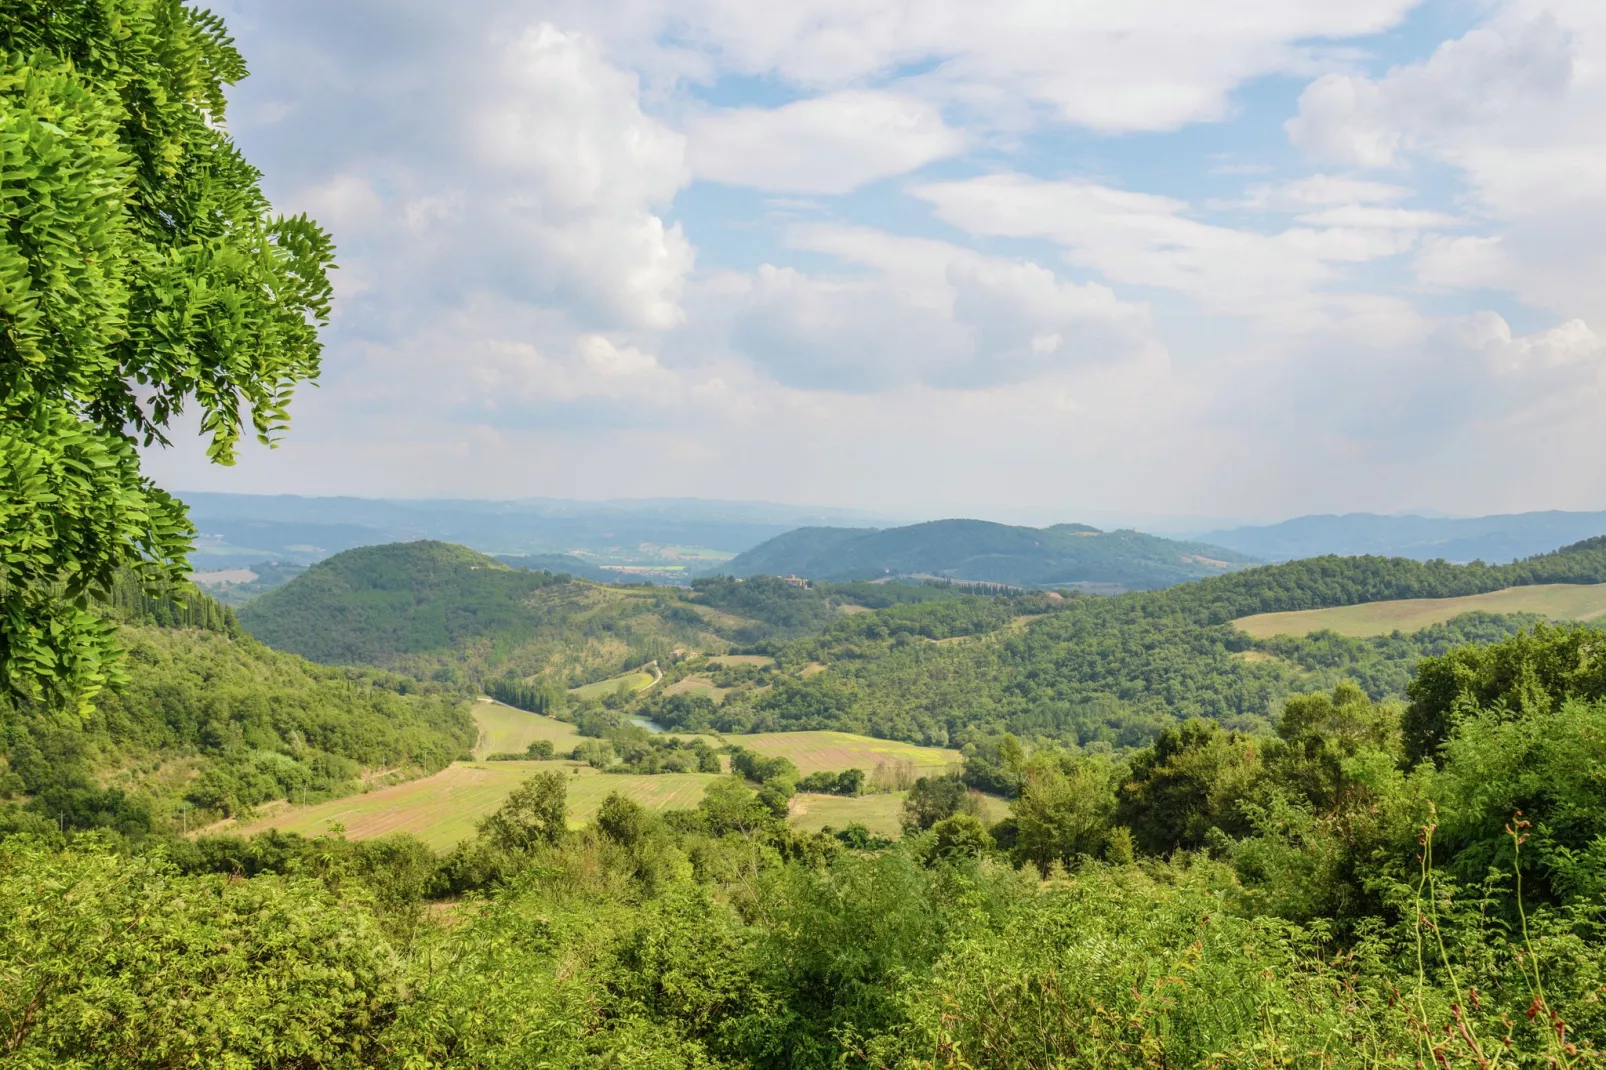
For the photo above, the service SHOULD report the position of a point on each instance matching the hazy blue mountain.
(1486, 538)
(1064, 555)
(237, 529)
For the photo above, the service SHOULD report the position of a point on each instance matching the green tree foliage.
(1121, 670)
(536, 813)
(141, 271)
(1346, 909)
(373, 605)
(118, 961)
(523, 695)
(1528, 677)
(1064, 809)
(933, 799)
(249, 723)
(1189, 782)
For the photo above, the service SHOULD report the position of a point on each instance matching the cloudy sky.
(1252, 258)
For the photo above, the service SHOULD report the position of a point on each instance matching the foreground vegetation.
(1370, 885)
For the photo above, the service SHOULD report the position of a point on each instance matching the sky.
(1254, 258)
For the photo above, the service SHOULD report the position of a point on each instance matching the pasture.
(507, 730)
(443, 809)
(697, 684)
(878, 813)
(815, 752)
(630, 681)
(1557, 601)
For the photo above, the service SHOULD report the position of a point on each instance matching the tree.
(934, 798)
(141, 271)
(537, 812)
(1193, 779)
(1064, 807)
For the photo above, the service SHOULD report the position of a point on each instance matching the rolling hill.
(1071, 556)
(440, 611)
(1460, 539)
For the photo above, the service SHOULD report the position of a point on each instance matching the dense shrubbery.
(1308, 899)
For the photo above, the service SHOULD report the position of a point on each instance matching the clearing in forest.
(814, 752)
(630, 681)
(507, 730)
(443, 809)
(1558, 601)
(878, 813)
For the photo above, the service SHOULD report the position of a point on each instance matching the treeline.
(188, 607)
(1365, 886)
(1322, 582)
(539, 697)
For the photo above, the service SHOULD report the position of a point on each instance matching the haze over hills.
(1064, 555)
(241, 529)
(1494, 539)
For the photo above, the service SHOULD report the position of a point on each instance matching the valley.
(443, 809)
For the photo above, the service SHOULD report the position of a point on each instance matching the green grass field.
(506, 730)
(815, 752)
(741, 659)
(878, 813)
(1557, 601)
(697, 684)
(442, 809)
(634, 681)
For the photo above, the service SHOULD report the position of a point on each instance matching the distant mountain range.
(243, 529)
(1493, 539)
(1062, 556)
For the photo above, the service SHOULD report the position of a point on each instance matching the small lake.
(652, 726)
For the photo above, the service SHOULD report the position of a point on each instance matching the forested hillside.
(208, 721)
(445, 612)
(1063, 556)
(1117, 670)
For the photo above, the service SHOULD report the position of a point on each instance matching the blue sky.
(1018, 260)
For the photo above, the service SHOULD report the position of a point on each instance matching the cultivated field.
(815, 752)
(506, 730)
(1557, 601)
(442, 809)
(741, 659)
(878, 813)
(633, 681)
(697, 684)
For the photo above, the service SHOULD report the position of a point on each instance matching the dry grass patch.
(630, 681)
(741, 659)
(1557, 601)
(832, 752)
(878, 813)
(697, 684)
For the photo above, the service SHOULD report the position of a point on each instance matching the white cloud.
(828, 144)
(1515, 109)
(522, 309)
(1320, 191)
(1113, 65)
(1365, 122)
(931, 313)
